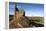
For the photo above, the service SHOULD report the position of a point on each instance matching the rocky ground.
(22, 22)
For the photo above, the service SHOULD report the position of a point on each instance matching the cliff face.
(19, 20)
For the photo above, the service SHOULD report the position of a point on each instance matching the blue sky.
(29, 8)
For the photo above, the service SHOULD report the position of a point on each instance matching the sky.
(30, 9)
